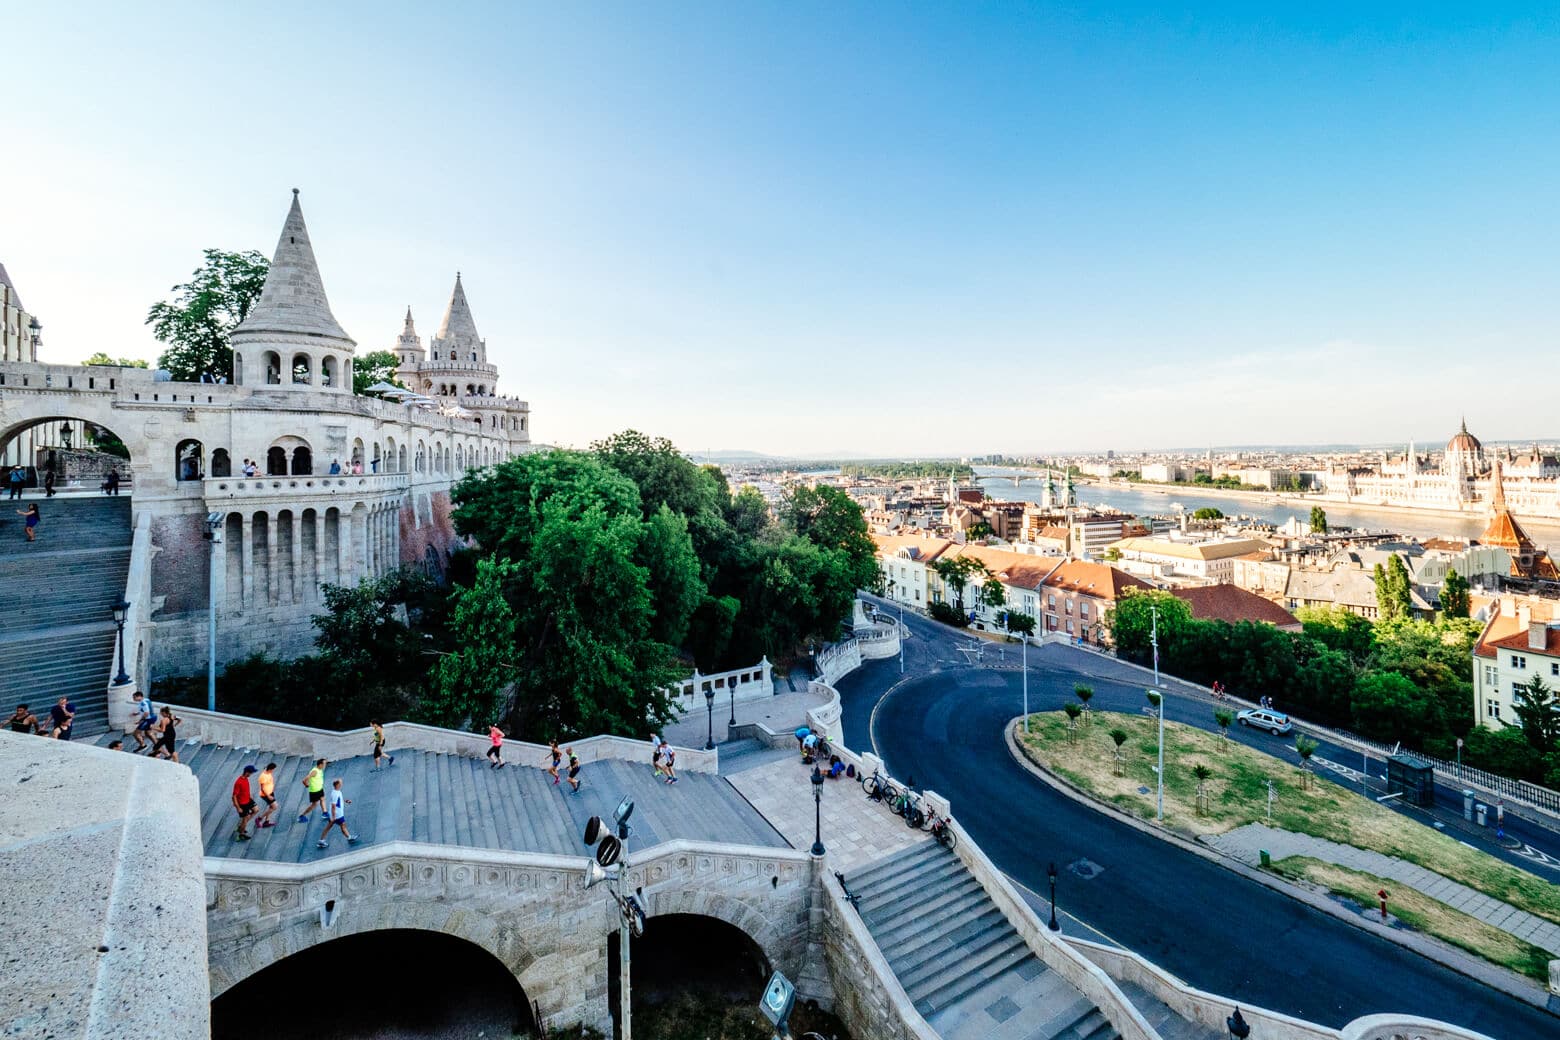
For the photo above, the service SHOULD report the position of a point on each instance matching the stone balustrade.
(1400, 1027)
(287, 739)
(746, 684)
(357, 485)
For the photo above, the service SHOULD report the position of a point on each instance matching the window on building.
(188, 460)
(1516, 690)
(1492, 708)
(1050, 602)
(1068, 606)
(1518, 662)
(1069, 626)
(1554, 669)
(1083, 610)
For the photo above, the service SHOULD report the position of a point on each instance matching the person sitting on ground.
(836, 767)
(24, 721)
(809, 748)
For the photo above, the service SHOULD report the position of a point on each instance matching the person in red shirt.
(244, 802)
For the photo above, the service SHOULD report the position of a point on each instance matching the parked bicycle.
(941, 829)
(878, 787)
(903, 802)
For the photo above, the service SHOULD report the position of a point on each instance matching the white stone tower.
(290, 340)
(408, 346)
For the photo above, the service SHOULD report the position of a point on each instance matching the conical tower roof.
(293, 302)
(409, 339)
(457, 324)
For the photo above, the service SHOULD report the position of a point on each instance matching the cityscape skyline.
(1309, 227)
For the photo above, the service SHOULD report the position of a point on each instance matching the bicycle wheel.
(914, 817)
(947, 837)
(872, 786)
(890, 794)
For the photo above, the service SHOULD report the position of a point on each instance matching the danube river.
(1144, 502)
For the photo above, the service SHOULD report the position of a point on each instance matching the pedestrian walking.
(658, 756)
(336, 816)
(267, 780)
(61, 718)
(48, 484)
(165, 743)
(244, 803)
(31, 522)
(16, 481)
(669, 761)
(111, 483)
(145, 719)
(557, 759)
(574, 771)
(314, 784)
(495, 753)
(379, 745)
(23, 721)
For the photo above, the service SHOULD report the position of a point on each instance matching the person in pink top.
(496, 752)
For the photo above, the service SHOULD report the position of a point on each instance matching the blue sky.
(809, 227)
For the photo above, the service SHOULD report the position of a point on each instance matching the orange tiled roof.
(1099, 580)
(1226, 602)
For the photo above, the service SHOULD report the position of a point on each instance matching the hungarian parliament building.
(1468, 478)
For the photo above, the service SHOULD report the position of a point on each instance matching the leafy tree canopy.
(195, 325)
(101, 358)
(377, 366)
(1454, 595)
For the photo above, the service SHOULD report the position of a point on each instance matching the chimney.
(1538, 635)
(1524, 615)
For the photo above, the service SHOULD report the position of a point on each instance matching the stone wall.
(426, 523)
(101, 855)
(530, 911)
(181, 573)
(867, 996)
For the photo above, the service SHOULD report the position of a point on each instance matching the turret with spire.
(290, 340)
(408, 346)
(457, 338)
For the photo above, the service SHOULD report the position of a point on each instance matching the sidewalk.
(1246, 843)
(782, 713)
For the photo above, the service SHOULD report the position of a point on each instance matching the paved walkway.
(856, 831)
(1245, 844)
(781, 713)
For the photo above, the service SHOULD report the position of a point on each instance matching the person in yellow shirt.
(267, 796)
(314, 783)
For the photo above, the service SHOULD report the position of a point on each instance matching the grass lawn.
(1237, 795)
(1420, 912)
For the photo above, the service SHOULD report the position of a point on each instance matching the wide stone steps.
(58, 638)
(964, 966)
(456, 800)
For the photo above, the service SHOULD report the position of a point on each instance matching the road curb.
(1490, 975)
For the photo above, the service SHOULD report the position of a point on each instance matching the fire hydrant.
(1381, 894)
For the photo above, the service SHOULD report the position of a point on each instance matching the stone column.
(248, 538)
(343, 546)
(297, 556)
(273, 586)
(317, 569)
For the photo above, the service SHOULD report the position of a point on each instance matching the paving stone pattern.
(1246, 843)
(856, 830)
(444, 799)
(966, 969)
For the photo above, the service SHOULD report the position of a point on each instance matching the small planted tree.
(1305, 747)
(1118, 737)
(1225, 719)
(1073, 711)
(1084, 692)
(1202, 773)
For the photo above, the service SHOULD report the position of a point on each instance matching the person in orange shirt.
(267, 780)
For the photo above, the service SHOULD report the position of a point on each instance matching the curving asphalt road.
(941, 724)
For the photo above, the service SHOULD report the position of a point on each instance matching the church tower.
(408, 347)
(290, 340)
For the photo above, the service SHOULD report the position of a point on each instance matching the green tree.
(1131, 623)
(1394, 592)
(1202, 773)
(585, 616)
(469, 683)
(748, 514)
(993, 593)
(664, 475)
(1208, 513)
(361, 634)
(831, 519)
(101, 358)
(979, 531)
(956, 573)
(377, 366)
(195, 326)
(1085, 693)
(1318, 520)
(1073, 711)
(1388, 707)
(1305, 747)
(1538, 713)
(1454, 594)
(1224, 718)
(1340, 630)
(1118, 737)
(1019, 622)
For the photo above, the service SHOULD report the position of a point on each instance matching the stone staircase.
(447, 799)
(966, 969)
(58, 638)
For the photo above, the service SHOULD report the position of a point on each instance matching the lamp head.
(1050, 871)
(817, 777)
(120, 608)
(709, 694)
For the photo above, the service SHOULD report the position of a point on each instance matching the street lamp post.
(709, 715)
(817, 785)
(1153, 638)
(901, 639)
(1050, 872)
(121, 608)
(1025, 669)
(214, 522)
(733, 688)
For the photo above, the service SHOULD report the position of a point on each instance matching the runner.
(496, 752)
(379, 745)
(145, 718)
(267, 795)
(574, 771)
(167, 735)
(557, 757)
(658, 757)
(669, 760)
(61, 717)
(24, 721)
(337, 816)
(244, 802)
(314, 783)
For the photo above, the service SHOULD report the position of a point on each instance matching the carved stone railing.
(283, 738)
(1404, 1027)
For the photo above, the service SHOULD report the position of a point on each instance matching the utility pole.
(901, 639)
(1154, 639)
(1025, 637)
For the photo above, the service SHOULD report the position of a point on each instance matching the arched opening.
(346, 373)
(473, 355)
(302, 369)
(421, 464)
(390, 455)
(276, 462)
(238, 369)
(187, 458)
(688, 957)
(328, 371)
(357, 455)
(471, 389)
(400, 461)
(302, 461)
(271, 361)
(460, 458)
(460, 990)
(221, 463)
